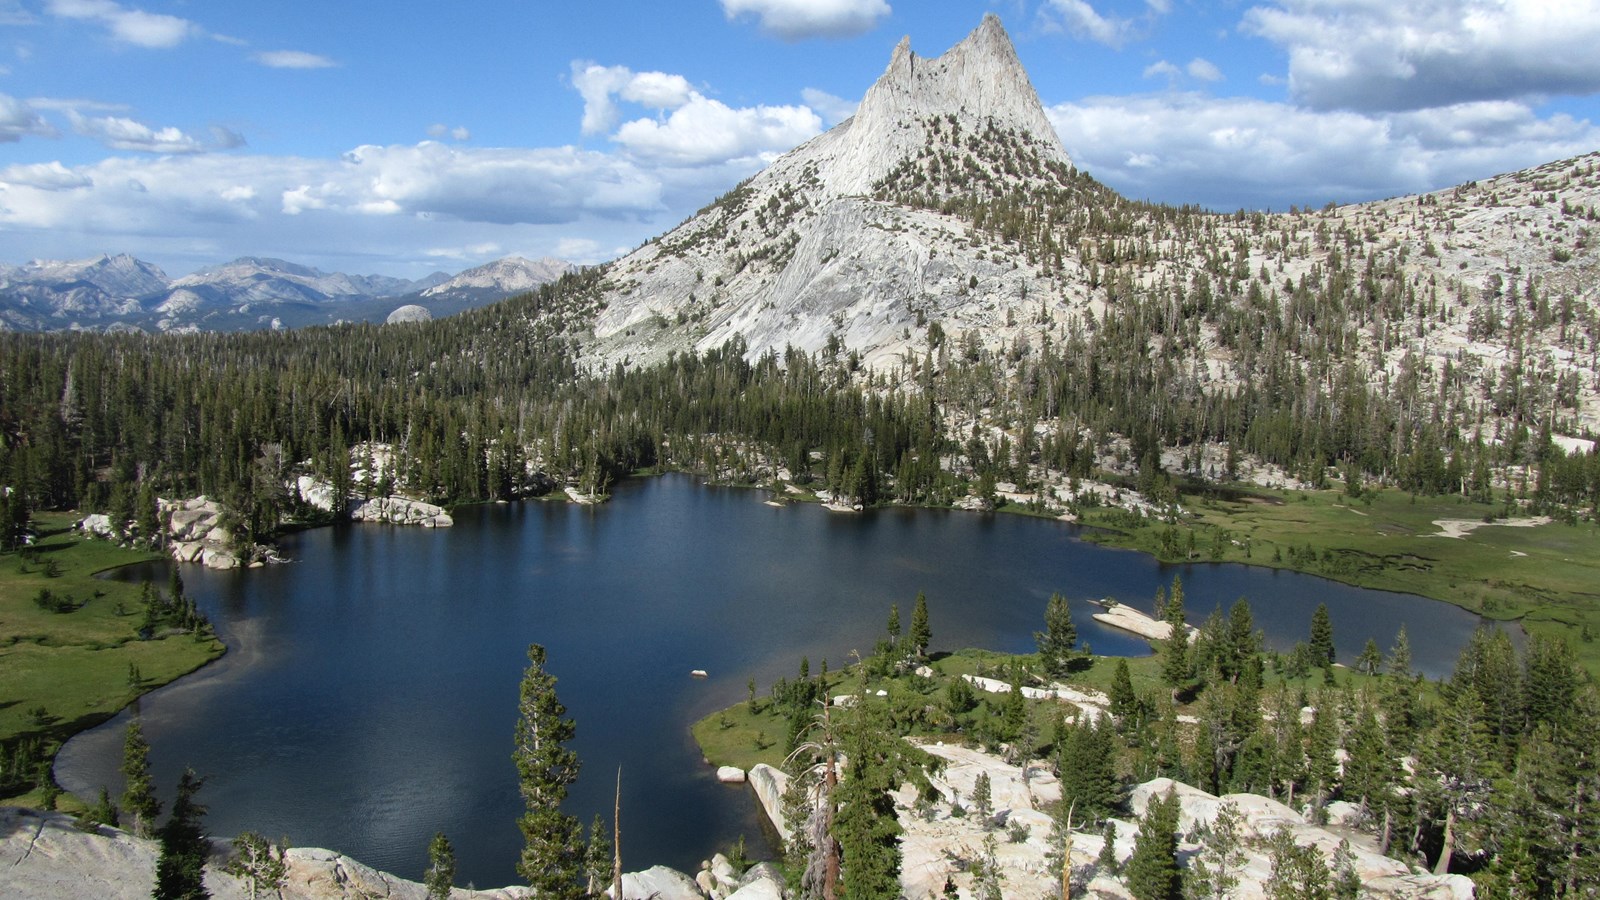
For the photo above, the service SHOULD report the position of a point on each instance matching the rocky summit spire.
(852, 236)
(977, 82)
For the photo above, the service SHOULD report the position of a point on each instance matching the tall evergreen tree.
(921, 632)
(1400, 655)
(865, 825)
(553, 852)
(180, 867)
(1322, 650)
(1124, 702)
(139, 793)
(1059, 641)
(1088, 767)
(441, 874)
(1152, 871)
(1175, 662)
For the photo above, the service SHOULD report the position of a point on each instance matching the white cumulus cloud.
(657, 90)
(795, 20)
(705, 131)
(600, 86)
(1228, 153)
(19, 119)
(1203, 70)
(698, 130)
(292, 59)
(1162, 69)
(121, 133)
(132, 26)
(1368, 55)
(1084, 21)
(832, 109)
(50, 176)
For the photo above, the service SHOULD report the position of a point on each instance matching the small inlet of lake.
(370, 690)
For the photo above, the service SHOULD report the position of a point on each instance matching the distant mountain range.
(121, 292)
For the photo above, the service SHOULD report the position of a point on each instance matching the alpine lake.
(369, 695)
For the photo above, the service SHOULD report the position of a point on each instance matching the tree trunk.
(1066, 856)
(830, 872)
(1442, 867)
(616, 841)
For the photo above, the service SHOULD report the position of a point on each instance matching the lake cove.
(371, 691)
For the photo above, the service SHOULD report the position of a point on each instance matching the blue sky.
(402, 138)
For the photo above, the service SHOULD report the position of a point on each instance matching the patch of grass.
(743, 736)
(75, 666)
(1548, 577)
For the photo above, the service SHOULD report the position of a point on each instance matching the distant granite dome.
(409, 313)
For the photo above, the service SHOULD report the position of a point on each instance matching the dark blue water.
(370, 693)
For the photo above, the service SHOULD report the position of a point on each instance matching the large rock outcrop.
(194, 534)
(821, 245)
(44, 856)
(941, 840)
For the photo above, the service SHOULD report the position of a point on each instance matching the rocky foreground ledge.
(45, 856)
(939, 843)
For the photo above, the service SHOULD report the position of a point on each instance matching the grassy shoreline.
(65, 672)
(748, 733)
(1545, 577)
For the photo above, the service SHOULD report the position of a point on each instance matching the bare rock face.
(824, 244)
(44, 856)
(400, 511)
(769, 784)
(979, 81)
(409, 313)
(659, 882)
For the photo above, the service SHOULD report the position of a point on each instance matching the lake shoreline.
(487, 539)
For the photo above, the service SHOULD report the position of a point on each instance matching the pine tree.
(1322, 650)
(894, 624)
(982, 798)
(1400, 655)
(441, 874)
(1214, 871)
(865, 825)
(1298, 872)
(1152, 871)
(103, 812)
(1550, 681)
(1059, 640)
(1175, 666)
(921, 633)
(139, 794)
(180, 867)
(1321, 741)
(1124, 701)
(553, 853)
(1371, 658)
(1106, 862)
(597, 860)
(1088, 767)
(260, 865)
